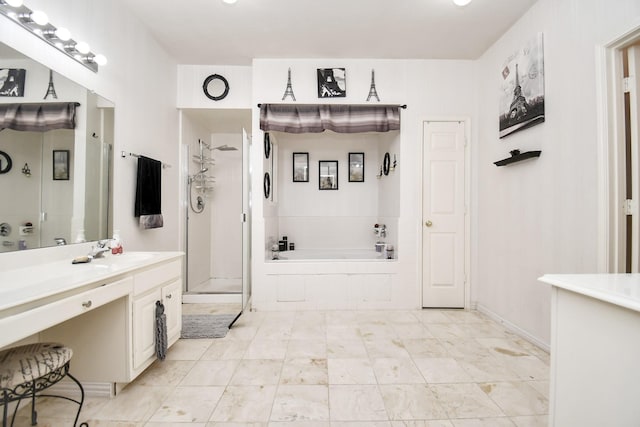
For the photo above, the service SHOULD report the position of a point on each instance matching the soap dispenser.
(116, 244)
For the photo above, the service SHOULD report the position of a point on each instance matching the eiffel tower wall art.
(522, 88)
(332, 82)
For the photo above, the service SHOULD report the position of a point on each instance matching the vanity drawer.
(32, 321)
(156, 276)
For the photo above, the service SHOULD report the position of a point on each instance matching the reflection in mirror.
(49, 201)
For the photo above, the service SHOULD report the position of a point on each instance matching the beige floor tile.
(396, 371)
(527, 367)
(307, 349)
(242, 332)
(531, 421)
(543, 387)
(188, 405)
(488, 368)
(346, 349)
(360, 424)
(346, 332)
(482, 330)
(430, 316)
(301, 403)
(411, 330)
(226, 350)
(465, 401)
(442, 370)
(223, 424)
(411, 402)
(422, 423)
(304, 371)
(313, 332)
(356, 403)
(386, 348)
(351, 371)
(516, 398)
(445, 330)
(375, 331)
(424, 348)
(257, 372)
(484, 422)
(165, 373)
(300, 424)
(188, 349)
(134, 403)
(210, 372)
(273, 332)
(465, 348)
(170, 424)
(245, 404)
(266, 349)
(463, 316)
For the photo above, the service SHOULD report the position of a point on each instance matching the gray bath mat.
(206, 325)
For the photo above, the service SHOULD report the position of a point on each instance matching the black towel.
(148, 193)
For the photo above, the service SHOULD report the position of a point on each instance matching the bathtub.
(331, 255)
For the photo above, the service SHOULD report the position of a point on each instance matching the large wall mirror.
(58, 190)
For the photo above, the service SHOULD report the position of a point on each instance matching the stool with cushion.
(27, 370)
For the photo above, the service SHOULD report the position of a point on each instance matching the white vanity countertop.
(24, 285)
(619, 289)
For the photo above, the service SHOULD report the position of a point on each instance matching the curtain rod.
(124, 154)
(403, 106)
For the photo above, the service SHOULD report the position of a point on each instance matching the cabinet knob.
(169, 296)
(428, 223)
(86, 304)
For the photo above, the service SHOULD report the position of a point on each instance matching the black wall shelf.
(517, 156)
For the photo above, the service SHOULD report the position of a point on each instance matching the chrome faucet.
(60, 241)
(100, 248)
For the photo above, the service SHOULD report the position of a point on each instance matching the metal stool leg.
(80, 403)
(34, 414)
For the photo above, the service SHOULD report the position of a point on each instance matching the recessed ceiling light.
(462, 2)
(229, 1)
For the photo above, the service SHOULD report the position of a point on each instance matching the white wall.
(191, 79)
(541, 216)
(140, 79)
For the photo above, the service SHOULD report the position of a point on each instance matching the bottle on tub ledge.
(388, 251)
(116, 243)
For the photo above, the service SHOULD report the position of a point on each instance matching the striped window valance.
(38, 117)
(341, 118)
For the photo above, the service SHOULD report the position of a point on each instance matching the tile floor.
(429, 368)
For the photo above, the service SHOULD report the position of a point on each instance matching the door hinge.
(626, 84)
(629, 207)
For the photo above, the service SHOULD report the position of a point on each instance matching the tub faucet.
(60, 241)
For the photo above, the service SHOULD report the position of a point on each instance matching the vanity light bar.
(55, 37)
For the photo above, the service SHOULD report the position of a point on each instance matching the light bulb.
(82, 47)
(39, 17)
(63, 34)
(100, 59)
(462, 2)
(14, 3)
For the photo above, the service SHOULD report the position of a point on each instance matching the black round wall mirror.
(5, 162)
(267, 145)
(386, 164)
(266, 185)
(215, 87)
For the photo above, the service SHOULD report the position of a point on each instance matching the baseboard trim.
(91, 389)
(512, 327)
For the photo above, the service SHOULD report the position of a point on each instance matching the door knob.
(428, 223)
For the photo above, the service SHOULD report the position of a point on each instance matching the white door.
(443, 215)
(633, 128)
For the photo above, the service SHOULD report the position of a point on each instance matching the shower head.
(225, 147)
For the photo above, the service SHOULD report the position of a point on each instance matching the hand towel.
(148, 193)
(161, 331)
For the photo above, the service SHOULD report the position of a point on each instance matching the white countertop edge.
(123, 263)
(603, 287)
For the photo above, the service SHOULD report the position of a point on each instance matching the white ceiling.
(215, 33)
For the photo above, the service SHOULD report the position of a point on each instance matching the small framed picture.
(12, 81)
(300, 167)
(356, 167)
(61, 165)
(328, 174)
(332, 82)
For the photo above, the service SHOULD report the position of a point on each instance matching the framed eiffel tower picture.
(522, 88)
(12, 81)
(332, 82)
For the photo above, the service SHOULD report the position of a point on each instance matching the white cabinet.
(161, 283)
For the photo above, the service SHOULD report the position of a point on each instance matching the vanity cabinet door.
(144, 327)
(172, 300)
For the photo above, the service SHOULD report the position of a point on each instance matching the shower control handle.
(428, 223)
